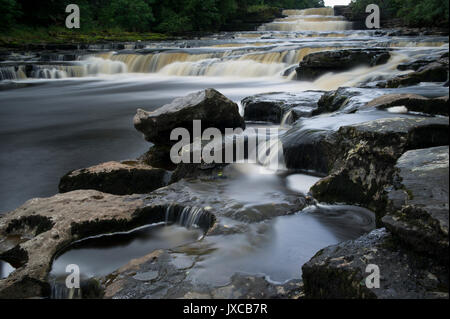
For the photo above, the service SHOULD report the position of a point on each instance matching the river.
(68, 110)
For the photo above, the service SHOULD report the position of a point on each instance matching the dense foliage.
(166, 16)
(415, 13)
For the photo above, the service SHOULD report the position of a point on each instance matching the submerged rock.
(164, 274)
(209, 106)
(412, 102)
(339, 271)
(316, 64)
(367, 153)
(418, 201)
(116, 178)
(272, 107)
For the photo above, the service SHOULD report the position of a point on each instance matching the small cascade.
(189, 217)
(288, 119)
(315, 19)
(12, 73)
(59, 290)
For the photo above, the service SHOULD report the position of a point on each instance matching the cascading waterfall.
(189, 217)
(316, 19)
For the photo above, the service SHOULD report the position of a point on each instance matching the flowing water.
(68, 110)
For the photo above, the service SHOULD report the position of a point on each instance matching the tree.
(10, 11)
(132, 15)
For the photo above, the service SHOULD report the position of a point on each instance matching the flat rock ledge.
(365, 156)
(317, 64)
(35, 232)
(418, 201)
(116, 178)
(164, 274)
(276, 107)
(339, 271)
(412, 102)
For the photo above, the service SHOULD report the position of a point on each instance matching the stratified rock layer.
(116, 178)
(316, 64)
(418, 201)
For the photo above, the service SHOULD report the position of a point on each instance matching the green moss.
(23, 35)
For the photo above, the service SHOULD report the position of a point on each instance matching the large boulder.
(339, 271)
(412, 102)
(368, 153)
(418, 201)
(116, 178)
(316, 64)
(209, 106)
(272, 107)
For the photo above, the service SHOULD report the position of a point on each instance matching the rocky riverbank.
(381, 146)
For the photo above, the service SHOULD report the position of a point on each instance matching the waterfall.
(189, 216)
(288, 119)
(315, 19)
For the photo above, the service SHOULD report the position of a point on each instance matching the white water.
(319, 20)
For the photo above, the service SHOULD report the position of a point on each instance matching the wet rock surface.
(340, 271)
(313, 150)
(436, 71)
(316, 64)
(126, 178)
(368, 153)
(43, 226)
(412, 102)
(165, 274)
(209, 106)
(418, 201)
(271, 107)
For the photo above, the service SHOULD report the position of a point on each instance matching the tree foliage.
(168, 16)
(416, 13)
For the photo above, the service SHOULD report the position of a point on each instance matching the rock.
(339, 271)
(158, 156)
(412, 102)
(207, 169)
(334, 100)
(312, 150)
(116, 178)
(209, 106)
(366, 155)
(38, 230)
(418, 202)
(271, 107)
(432, 72)
(45, 225)
(169, 280)
(316, 64)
